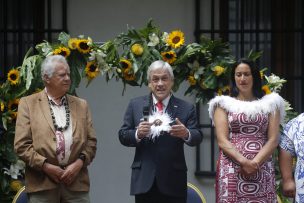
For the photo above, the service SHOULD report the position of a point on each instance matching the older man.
(159, 171)
(291, 149)
(55, 138)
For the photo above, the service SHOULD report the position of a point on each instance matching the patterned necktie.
(160, 107)
(60, 145)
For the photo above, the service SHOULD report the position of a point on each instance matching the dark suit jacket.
(163, 159)
(35, 140)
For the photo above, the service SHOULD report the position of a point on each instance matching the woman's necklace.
(67, 114)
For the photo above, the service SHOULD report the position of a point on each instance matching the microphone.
(146, 113)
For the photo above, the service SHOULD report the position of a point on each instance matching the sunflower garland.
(139, 48)
(13, 76)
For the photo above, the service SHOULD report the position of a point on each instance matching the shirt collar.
(52, 101)
(165, 101)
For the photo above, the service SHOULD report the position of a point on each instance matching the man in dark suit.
(159, 171)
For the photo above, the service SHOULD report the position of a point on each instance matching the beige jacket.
(35, 140)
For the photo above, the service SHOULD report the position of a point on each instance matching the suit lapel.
(172, 107)
(72, 106)
(146, 102)
(45, 109)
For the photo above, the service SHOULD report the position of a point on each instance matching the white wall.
(103, 20)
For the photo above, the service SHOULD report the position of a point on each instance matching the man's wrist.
(136, 136)
(44, 165)
(187, 135)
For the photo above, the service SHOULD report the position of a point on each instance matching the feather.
(164, 126)
(267, 104)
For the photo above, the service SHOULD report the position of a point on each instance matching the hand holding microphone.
(144, 127)
(146, 113)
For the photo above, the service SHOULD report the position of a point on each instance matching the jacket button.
(54, 139)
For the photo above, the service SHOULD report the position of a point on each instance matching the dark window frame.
(25, 24)
(280, 58)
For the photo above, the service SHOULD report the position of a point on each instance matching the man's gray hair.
(160, 65)
(48, 65)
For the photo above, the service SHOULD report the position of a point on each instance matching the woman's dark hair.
(257, 82)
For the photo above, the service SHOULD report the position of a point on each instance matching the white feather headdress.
(267, 104)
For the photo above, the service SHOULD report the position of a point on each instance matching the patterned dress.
(248, 122)
(292, 140)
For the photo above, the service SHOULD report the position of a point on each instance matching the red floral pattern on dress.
(248, 135)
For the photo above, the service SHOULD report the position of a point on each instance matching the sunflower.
(191, 80)
(262, 75)
(16, 185)
(218, 70)
(128, 74)
(13, 104)
(13, 115)
(224, 90)
(169, 56)
(13, 108)
(176, 39)
(13, 76)
(137, 49)
(72, 43)
(91, 70)
(2, 106)
(82, 46)
(125, 64)
(266, 89)
(63, 51)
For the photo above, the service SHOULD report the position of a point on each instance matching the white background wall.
(103, 20)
